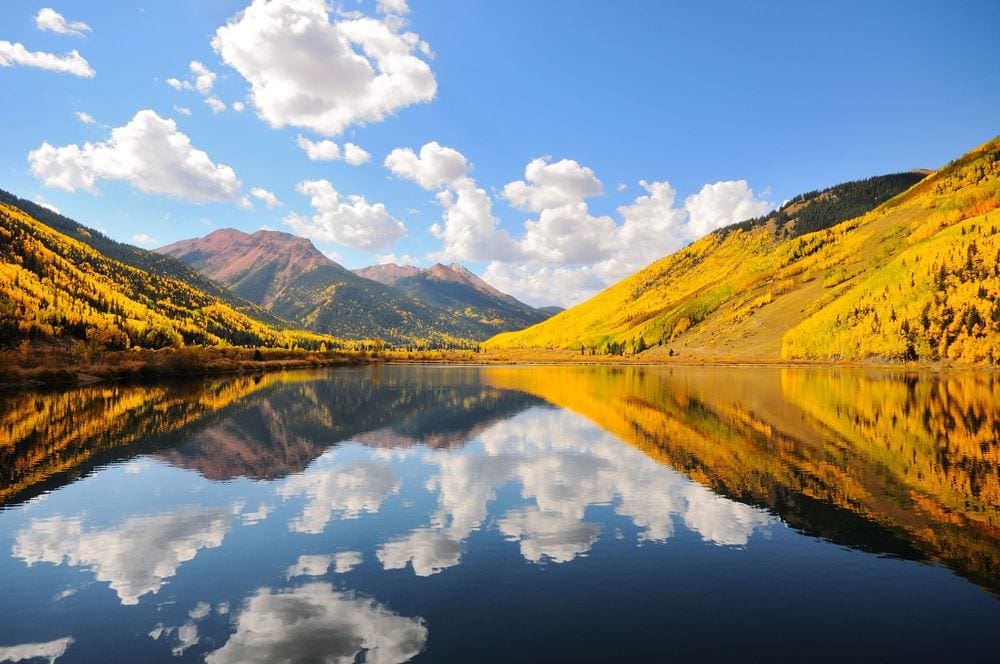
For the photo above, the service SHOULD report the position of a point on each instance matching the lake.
(465, 514)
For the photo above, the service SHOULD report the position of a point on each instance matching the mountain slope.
(55, 287)
(850, 290)
(149, 261)
(294, 280)
(459, 291)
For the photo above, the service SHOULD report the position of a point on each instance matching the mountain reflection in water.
(267, 518)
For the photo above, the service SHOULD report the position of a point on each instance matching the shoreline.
(59, 369)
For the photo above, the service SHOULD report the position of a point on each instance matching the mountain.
(148, 261)
(457, 290)
(294, 280)
(56, 287)
(916, 277)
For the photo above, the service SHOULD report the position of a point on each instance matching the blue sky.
(541, 120)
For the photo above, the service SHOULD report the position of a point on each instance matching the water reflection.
(136, 557)
(296, 625)
(273, 518)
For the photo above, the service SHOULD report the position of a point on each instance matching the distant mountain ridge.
(294, 280)
(455, 289)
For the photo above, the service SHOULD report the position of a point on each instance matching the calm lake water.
(461, 514)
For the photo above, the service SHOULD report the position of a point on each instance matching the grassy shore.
(56, 365)
(40, 365)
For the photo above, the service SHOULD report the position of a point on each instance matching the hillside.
(149, 261)
(57, 288)
(915, 278)
(295, 281)
(459, 291)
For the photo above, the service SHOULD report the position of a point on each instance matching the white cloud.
(216, 104)
(50, 650)
(49, 19)
(178, 84)
(470, 230)
(136, 558)
(324, 150)
(356, 155)
(327, 150)
(183, 110)
(552, 185)
(149, 153)
(721, 204)
(13, 53)
(352, 222)
(436, 166)
(330, 488)
(85, 118)
(45, 204)
(266, 197)
(307, 71)
(204, 79)
(294, 625)
(239, 106)
(144, 240)
(393, 7)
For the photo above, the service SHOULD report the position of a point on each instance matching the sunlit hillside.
(55, 287)
(917, 278)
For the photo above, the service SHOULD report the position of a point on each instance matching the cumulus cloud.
(355, 155)
(266, 197)
(327, 150)
(306, 70)
(393, 7)
(470, 230)
(204, 79)
(14, 53)
(183, 110)
(332, 489)
(294, 625)
(552, 185)
(136, 558)
(565, 252)
(239, 106)
(144, 240)
(216, 104)
(436, 166)
(50, 650)
(149, 153)
(350, 220)
(45, 204)
(85, 118)
(721, 204)
(51, 20)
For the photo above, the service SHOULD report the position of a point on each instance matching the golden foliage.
(53, 286)
(917, 278)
